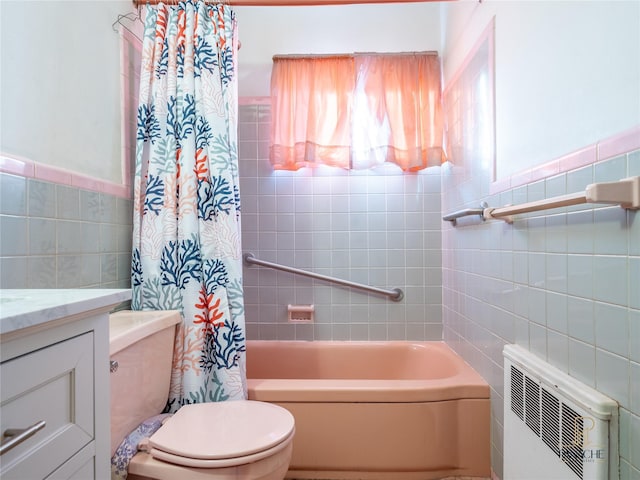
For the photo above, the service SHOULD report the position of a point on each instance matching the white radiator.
(555, 427)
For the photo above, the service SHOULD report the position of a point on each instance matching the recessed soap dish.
(301, 313)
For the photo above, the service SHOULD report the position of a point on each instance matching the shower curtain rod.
(396, 294)
(289, 56)
(282, 3)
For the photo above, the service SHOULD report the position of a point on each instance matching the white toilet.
(235, 440)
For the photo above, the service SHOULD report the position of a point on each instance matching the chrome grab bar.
(395, 294)
(452, 217)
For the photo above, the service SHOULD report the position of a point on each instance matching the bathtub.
(376, 410)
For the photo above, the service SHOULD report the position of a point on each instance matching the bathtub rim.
(466, 383)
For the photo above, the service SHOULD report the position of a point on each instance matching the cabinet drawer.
(54, 384)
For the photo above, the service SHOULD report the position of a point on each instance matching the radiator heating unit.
(555, 427)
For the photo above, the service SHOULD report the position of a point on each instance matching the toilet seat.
(223, 434)
(220, 463)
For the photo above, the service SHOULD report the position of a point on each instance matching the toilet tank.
(141, 354)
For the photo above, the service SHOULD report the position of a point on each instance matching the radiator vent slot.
(532, 405)
(517, 392)
(572, 440)
(551, 427)
(551, 421)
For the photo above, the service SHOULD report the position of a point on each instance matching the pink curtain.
(356, 111)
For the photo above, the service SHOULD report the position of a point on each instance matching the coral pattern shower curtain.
(186, 230)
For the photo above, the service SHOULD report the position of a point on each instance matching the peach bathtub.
(376, 410)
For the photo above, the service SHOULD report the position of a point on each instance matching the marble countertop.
(27, 308)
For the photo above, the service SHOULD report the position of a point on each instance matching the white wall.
(267, 31)
(60, 74)
(567, 72)
(60, 81)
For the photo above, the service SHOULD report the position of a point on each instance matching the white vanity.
(54, 383)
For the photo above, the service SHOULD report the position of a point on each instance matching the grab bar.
(395, 294)
(625, 193)
(452, 217)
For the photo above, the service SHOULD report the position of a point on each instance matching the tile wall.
(564, 283)
(382, 229)
(59, 236)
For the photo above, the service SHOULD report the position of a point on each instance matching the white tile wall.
(575, 288)
(57, 236)
(380, 228)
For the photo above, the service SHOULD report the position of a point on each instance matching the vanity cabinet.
(54, 379)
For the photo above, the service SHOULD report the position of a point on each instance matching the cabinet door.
(80, 467)
(54, 384)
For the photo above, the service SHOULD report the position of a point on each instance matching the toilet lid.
(222, 430)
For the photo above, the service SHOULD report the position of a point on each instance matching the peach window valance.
(356, 111)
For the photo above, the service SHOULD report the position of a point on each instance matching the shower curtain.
(186, 230)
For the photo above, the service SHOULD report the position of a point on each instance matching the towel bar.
(625, 192)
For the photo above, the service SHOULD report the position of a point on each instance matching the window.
(356, 111)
